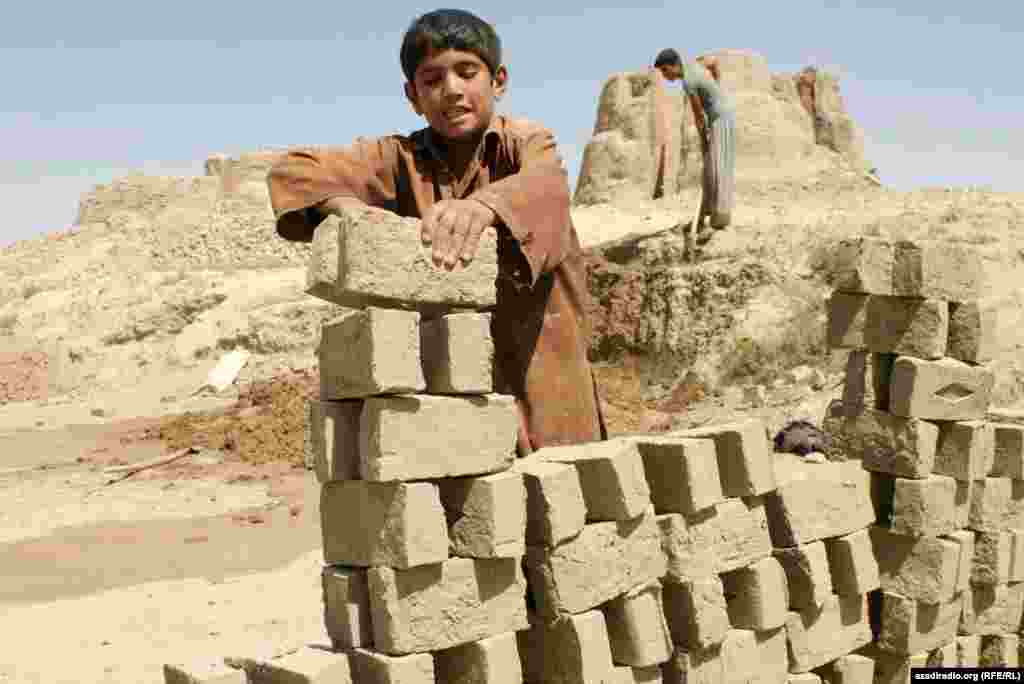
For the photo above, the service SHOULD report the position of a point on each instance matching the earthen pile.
(947, 484)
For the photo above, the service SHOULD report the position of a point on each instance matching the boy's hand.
(454, 228)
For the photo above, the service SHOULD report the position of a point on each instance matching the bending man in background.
(715, 116)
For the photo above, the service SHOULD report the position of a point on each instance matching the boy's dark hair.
(449, 29)
(667, 57)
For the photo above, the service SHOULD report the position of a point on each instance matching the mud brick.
(458, 354)
(694, 667)
(865, 265)
(1008, 460)
(849, 669)
(373, 257)
(611, 474)
(807, 574)
(486, 515)
(334, 439)
(940, 390)
(924, 569)
(924, 507)
(346, 596)
(889, 444)
(972, 331)
(965, 540)
(203, 671)
(1016, 573)
(962, 503)
(882, 442)
(910, 626)
(376, 523)
(892, 668)
(696, 612)
(603, 561)
(856, 395)
(990, 504)
(421, 437)
(305, 666)
(494, 660)
(555, 509)
(968, 651)
(682, 473)
(571, 650)
(817, 500)
(847, 320)
(434, 607)
(866, 385)
(999, 650)
(637, 675)
(1014, 518)
(901, 325)
(637, 628)
(992, 552)
(758, 595)
(772, 657)
(852, 564)
(369, 667)
(744, 457)
(965, 450)
(992, 609)
(739, 656)
(370, 352)
(820, 635)
(725, 537)
(936, 269)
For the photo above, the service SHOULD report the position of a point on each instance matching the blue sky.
(93, 91)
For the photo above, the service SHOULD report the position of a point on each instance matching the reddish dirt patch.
(23, 376)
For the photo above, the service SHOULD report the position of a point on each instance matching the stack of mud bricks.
(948, 487)
(696, 556)
(423, 521)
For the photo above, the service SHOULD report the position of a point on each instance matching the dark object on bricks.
(801, 437)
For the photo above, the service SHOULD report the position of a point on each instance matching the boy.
(470, 170)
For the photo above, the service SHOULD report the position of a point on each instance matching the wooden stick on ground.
(133, 468)
(691, 230)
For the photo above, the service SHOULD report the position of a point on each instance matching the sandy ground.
(117, 579)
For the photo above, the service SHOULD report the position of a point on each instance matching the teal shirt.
(698, 81)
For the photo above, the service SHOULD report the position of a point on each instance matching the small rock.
(208, 457)
(815, 457)
(755, 395)
(818, 380)
(801, 375)
(98, 412)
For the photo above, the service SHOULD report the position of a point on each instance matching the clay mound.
(776, 137)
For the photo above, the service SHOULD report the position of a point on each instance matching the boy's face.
(455, 92)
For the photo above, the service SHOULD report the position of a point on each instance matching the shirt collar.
(425, 140)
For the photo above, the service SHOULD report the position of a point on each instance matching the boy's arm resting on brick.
(304, 179)
(534, 204)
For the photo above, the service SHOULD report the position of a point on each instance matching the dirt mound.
(266, 425)
(776, 136)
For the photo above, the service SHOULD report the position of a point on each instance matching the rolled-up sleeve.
(534, 203)
(304, 178)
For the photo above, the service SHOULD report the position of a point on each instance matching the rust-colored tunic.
(539, 324)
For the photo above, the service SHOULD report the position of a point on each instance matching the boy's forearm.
(336, 206)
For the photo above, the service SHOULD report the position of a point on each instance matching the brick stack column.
(948, 508)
